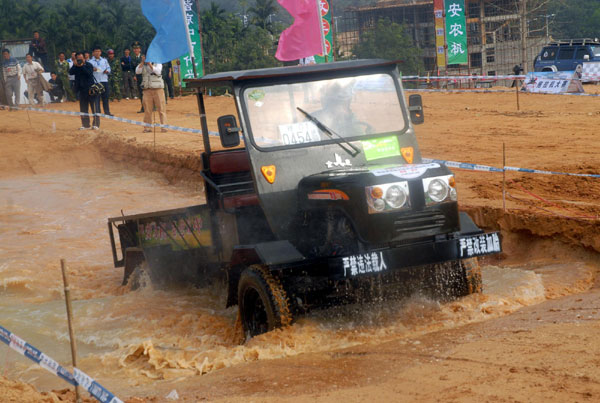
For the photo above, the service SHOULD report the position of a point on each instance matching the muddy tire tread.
(277, 294)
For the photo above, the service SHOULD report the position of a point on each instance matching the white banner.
(550, 82)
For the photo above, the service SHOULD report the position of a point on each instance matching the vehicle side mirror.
(228, 131)
(586, 57)
(415, 107)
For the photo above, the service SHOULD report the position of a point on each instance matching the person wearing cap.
(154, 95)
(101, 72)
(136, 59)
(114, 78)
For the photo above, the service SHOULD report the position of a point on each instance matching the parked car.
(567, 55)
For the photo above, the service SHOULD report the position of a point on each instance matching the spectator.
(154, 95)
(84, 79)
(57, 92)
(114, 79)
(62, 66)
(12, 72)
(38, 51)
(101, 72)
(31, 72)
(72, 61)
(86, 55)
(128, 73)
(136, 60)
(167, 75)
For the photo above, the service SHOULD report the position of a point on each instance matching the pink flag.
(303, 38)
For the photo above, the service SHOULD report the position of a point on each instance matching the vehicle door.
(566, 58)
(547, 58)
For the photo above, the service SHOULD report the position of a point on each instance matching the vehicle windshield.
(352, 107)
(596, 50)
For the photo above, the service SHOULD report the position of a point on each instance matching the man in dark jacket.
(57, 92)
(128, 73)
(84, 79)
(37, 48)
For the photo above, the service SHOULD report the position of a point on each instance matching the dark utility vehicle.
(567, 55)
(329, 200)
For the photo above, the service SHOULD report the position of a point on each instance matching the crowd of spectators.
(93, 80)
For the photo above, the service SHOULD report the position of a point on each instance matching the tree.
(389, 41)
(575, 19)
(262, 11)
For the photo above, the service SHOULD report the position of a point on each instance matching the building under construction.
(494, 32)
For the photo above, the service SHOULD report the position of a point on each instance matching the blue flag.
(170, 41)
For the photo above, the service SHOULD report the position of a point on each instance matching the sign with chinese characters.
(440, 39)
(327, 21)
(456, 32)
(382, 147)
(479, 245)
(365, 263)
(187, 70)
(405, 171)
(550, 82)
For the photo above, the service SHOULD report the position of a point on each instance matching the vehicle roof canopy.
(230, 77)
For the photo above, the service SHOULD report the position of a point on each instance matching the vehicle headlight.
(395, 197)
(387, 197)
(439, 189)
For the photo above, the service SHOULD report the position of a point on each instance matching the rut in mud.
(131, 339)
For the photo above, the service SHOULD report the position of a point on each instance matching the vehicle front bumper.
(416, 254)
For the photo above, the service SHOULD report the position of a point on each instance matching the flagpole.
(189, 38)
(325, 54)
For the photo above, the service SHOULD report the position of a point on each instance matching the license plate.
(479, 245)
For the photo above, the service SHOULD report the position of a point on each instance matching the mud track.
(535, 349)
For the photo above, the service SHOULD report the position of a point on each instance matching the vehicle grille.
(419, 222)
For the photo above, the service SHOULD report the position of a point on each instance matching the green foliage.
(68, 25)
(389, 41)
(575, 19)
(261, 13)
(229, 46)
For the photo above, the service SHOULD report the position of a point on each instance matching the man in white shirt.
(101, 72)
(154, 95)
(32, 71)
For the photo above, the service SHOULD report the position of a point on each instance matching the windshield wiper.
(355, 151)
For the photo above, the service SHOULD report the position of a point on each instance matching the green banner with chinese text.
(456, 32)
(327, 21)
(187, 70)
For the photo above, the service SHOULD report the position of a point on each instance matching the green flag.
(456, 32)
(187, 70)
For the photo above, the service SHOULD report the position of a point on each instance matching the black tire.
(263, 303)
(140, 277)
(133, 258)
(474, 281)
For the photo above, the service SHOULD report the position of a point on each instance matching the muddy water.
(128, 340)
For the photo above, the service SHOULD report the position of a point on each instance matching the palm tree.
(262, 11)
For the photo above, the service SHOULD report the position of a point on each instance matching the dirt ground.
(545, 351)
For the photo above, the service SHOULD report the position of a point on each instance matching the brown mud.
(532, 336)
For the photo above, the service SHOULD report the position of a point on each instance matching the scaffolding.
(495, 43)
